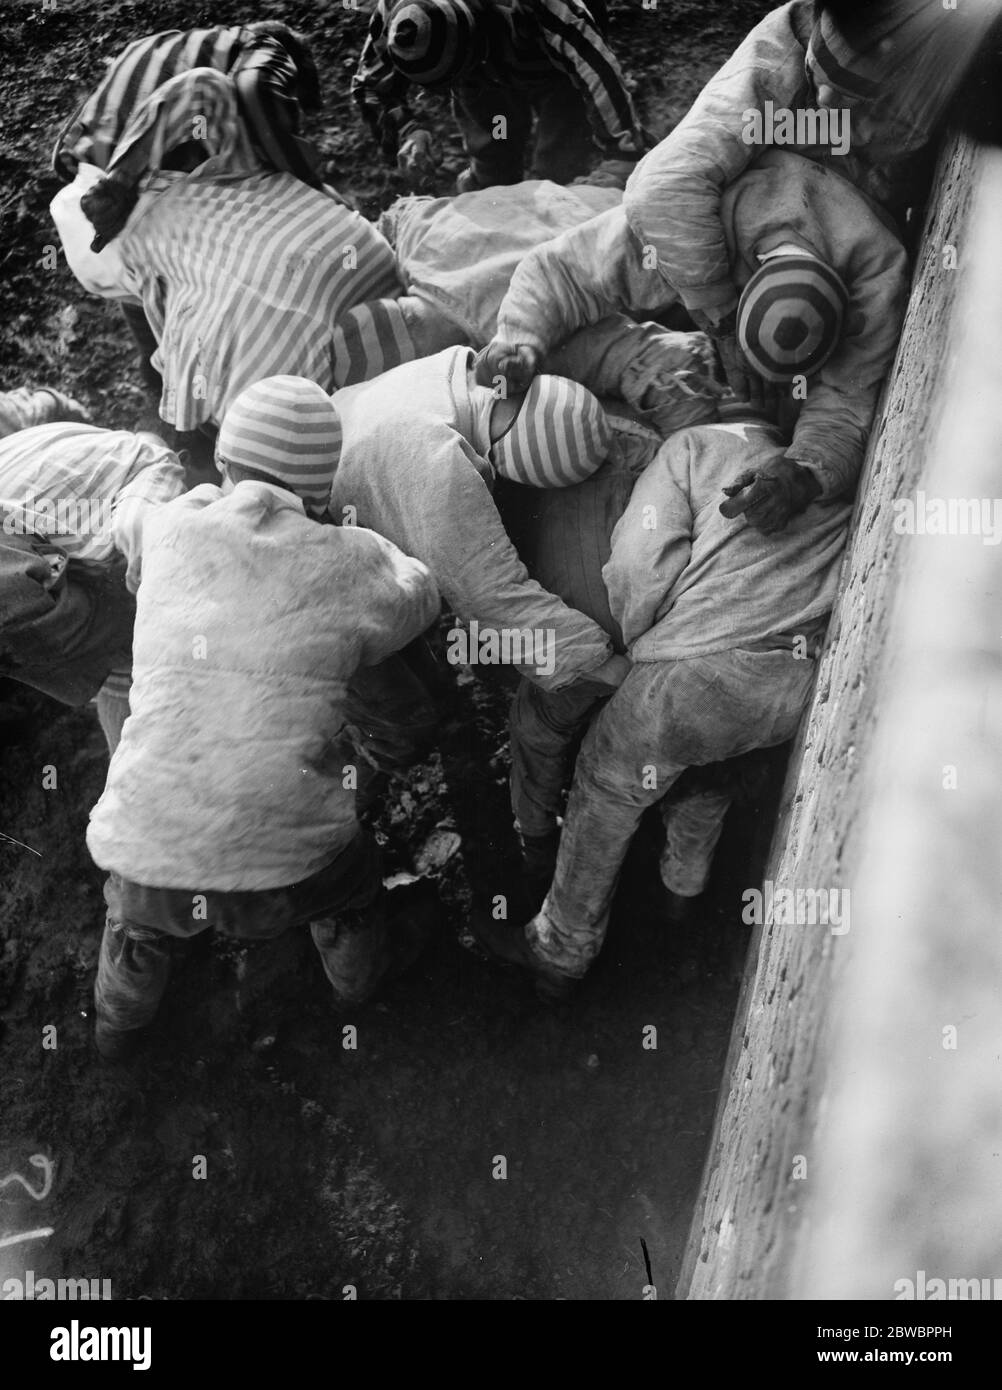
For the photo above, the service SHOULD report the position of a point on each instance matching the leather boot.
(364, 948)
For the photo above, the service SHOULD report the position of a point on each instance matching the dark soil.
(328, 1166)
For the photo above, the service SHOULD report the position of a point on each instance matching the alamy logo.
(949, 516)
(923, 1289)
(30, 1289)
(76, 1343)
(506, 646)
(797, 907)
(46, 516)
(778, 125)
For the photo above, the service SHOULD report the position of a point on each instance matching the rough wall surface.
(767, 1195)
(909, 1200)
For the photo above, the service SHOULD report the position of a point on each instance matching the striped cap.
(790, 317)
(560, 436)
(287, 427)
(905, 56)
(432, 41)
(833, 61)
(370, 339)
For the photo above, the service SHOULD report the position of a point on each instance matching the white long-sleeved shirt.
(685, 581)
(410, 468)
(250, 621)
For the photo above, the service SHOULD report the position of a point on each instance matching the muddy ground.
(327, 1166)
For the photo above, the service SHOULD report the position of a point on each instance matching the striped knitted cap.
(832, 60)
(287, 427)
(370, 339)
(790, 317)
(559, 436)
(907, 56)
(432, 41)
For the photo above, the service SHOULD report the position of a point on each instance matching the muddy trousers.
(342, 903)
(146, 344)
(693, 825)
(544, 728)
(665, 717)
(496, 124)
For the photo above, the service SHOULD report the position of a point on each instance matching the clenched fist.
(768, 497)
(517, 363)
(107, 207)
(417, 157)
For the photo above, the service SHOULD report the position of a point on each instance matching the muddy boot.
(510, 944)
(367, 947)
(133, 968)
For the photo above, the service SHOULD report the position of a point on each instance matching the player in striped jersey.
(22, 408)
(78, 483)
(75, 497)
(242, 272)
(245, 279)
(274, 75)
(274, 81)
(435, 500)
(498, 58)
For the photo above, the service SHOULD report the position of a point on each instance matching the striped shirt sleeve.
(63, 481)
(246, 278)
(266, 81)
(23, 408)
(142, 67)
(199, 105)
(576, 48)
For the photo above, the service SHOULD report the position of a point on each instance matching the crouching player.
(823, 285)
(227, 802)
(723, 624)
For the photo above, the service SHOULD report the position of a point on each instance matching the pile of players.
(608, 405)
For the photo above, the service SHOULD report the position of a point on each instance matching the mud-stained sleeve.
(460, 536)
(672, 199)
(158, 483)
(576, 280)
(652, 541)
(397, 598)
(834, 425)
